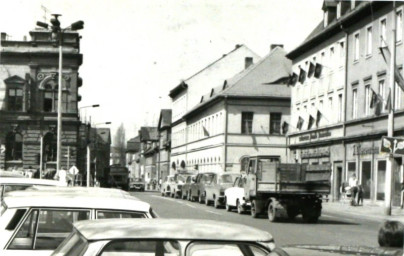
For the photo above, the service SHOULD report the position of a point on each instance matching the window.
(341, 53)
(382, 92)
(339, 108)
(223, 248)
(399, 25)
(369, 41)
(356, 47)
(330, 103)
(397, 96)
(142, 247)
(46, 231)
(13, 146)
(368, 96)
(351, 169)
(332, 51)
(354, 103)
(49, 148)
(246, 122)
(275, 123)
(50, 98)
(15, 99)
(104, 214)
(383, 37)
(381, 179)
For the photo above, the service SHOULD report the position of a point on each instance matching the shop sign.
(392, 145)
(315, 135)
(314, 153)
(365, 151)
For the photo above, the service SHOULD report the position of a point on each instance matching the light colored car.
(137, 184)
(234, 196)
(198, 187)
(186, 187)
(10, 174)
(36, 222)
(173, 237)
(214, 190)
(16, 183)
(168, 182)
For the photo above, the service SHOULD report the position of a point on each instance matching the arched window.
(174, 166)
(13, 146)
(49, 147)
(50, 97)
(183, 164)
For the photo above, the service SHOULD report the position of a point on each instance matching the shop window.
(275, 123)
(13, 146)
(366, 178)
(381, 178)
(246, 122)
(49, 148)
(15, 99)
(351, 169)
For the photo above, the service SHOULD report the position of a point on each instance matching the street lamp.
(89, 106)
(57, 33)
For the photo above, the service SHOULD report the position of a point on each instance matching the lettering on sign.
(314, 153)
(365, 151)
(315, 135)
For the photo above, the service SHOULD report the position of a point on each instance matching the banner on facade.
(392, 145)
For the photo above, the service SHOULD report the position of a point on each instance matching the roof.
(179, 229)
(183, 85)
(133, 145)
(29, 181)
(165, 119)
(148, 134)
(78, 199)
(255, 81)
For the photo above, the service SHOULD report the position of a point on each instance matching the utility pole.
(390, 126)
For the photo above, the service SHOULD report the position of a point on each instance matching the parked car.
(19, 183)
(214, 190)
(11, 174)
(36, 222)
(136, 184)
(186, 188)
(180, 179)
(168, 183)
(166, 237)
(234, 196)
(198, 187)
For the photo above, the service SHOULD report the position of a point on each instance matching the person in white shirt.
(353, 184)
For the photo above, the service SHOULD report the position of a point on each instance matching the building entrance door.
(366, 178)
(337, 180)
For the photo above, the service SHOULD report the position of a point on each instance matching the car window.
(104, 214)
(48, 226)
(72, 246)
(143, 248)
(208, 178)
(228, 178)
(224, 249)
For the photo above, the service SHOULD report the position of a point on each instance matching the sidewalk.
(369, 210)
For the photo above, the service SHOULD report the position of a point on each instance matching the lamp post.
(89, 106)
(57, 33)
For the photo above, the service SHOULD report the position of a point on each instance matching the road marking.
(214, 212)
(190, 205)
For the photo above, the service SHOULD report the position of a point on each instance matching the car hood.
(334, 250)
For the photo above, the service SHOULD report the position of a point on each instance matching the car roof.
(179, 229)
(77, 199)
(30, 181)
(11, 174)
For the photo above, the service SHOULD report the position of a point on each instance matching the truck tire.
(216, 203)
(189, 198)
(200, 198)
(254, 212)
(228, 207)
(240, 208)
(292, 212)
(206, 201)
(272, 212)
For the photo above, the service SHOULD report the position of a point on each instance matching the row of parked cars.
(41, 217)
(217, 189)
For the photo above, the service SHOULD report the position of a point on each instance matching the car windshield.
(228, 178)
(181, 178)
(142, 247)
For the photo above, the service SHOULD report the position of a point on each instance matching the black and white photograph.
(201, 127)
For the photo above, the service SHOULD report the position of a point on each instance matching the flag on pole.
(285, 127)
(300, 123)
(318, 117)
(317, 70)
(374, 99)
(397, 75)
(312, 67)
(388, 104)
(311, 122)
(302, 75)
(205, 132)
(292, 79)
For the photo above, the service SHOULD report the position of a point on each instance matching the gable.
(15, 80)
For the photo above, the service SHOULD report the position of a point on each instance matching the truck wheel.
(189, 198)
(216, 203)
(272, 212)
(206, 201)
(200, 198)
(228, 207)
(240, 208)
(292, 212)
(254, 212)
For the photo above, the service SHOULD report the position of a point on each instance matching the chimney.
(3, 36)
(25, 38)
(273, 46)
(248, 61)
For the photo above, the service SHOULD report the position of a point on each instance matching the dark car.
(198, 188)
(136, 184)
(214, 190)
(186, 188)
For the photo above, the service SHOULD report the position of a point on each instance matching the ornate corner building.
(29, 98)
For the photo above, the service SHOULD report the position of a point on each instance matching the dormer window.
(339, 9)
(325, 18)
(330, 12)
(353, 4)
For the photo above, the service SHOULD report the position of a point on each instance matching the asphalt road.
(332, 228)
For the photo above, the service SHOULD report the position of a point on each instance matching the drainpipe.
(345, 104)
(225, 132)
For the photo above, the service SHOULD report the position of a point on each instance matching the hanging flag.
(312, 67)
(388, 104)
(311, 122)
(292, 79)
(397, 74)
(205, 132)
(318, 118)
(254, 141)
(317, 70)
(285, 127)
(373, 100)
(302, 76)
(300, 123)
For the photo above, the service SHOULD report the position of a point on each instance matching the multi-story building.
(148, 153)
(163, 158)
(340, 67)
(28, 100)
(132, 157)
(188, 94)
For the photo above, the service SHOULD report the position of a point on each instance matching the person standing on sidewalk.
(353, 186)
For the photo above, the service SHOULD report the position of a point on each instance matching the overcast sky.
(136, 51)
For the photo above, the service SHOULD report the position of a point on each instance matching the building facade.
(334, 118)
(188, 94)
(164, 131)
(28, 101)
(132, 157)
(241, 117)
(148, 155)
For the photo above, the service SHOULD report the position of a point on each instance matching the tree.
(120, 144)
